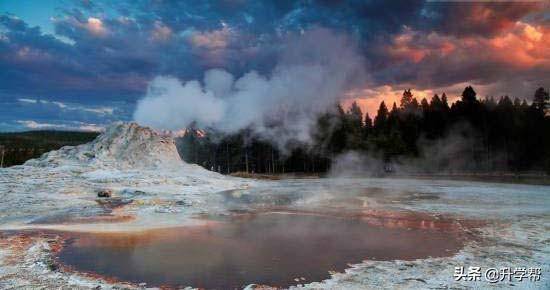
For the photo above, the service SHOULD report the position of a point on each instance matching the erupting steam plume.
(314, 72)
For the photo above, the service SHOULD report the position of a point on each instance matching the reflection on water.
(271, 249)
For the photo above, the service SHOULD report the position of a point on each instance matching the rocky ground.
(150, 187)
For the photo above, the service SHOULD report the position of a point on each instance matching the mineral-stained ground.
(506, 225)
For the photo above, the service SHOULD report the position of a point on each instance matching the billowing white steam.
(314, 72)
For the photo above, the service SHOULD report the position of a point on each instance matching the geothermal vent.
(122, 145)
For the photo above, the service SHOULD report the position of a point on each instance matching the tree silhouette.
(493, 134)
(381, 119)
(406, 100)
(541, 99)
(469, 95)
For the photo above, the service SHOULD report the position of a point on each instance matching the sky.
(80, 65)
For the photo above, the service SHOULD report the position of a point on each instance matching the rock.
(114, 202)
(183, 203)
(132, 192)
(104, 193)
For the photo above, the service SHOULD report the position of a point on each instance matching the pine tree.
(424, 105)
(368, 127)
(445, 101)
(354, 127)
(368, 122)
(469, 95)
(355, 115)
(394, 109)
(541, 99)
(380, 121)
(508, 134)
(393, 118)
(406, 100)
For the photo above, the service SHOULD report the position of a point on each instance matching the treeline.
(18, 147)
(471, 135)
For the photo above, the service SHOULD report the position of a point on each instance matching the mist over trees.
(471, 135)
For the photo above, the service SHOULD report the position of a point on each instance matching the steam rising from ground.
(454, 153)
(314, 72)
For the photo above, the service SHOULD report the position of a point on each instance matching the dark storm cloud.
(478, 18)
(32, 62)
(514, 53)
(106, 51)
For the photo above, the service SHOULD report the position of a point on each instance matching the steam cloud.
(450, 154)
(314, 72)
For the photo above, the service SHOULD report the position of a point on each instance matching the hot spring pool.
(276, 249)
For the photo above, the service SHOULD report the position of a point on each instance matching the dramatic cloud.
(435, 60)
(100, 52)
(482, 18)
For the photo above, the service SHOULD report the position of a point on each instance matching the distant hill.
(19, 147)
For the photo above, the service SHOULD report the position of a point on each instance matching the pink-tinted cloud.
(426, 60)
(412, 46)
(215, 39)
(95, 26)
(214, 47)
(482, 18)
(161, 32)
(30, 54)
(523, 45)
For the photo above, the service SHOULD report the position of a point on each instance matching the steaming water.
(281, 249)
(271, 249)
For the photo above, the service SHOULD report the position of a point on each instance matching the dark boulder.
(104, 193)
